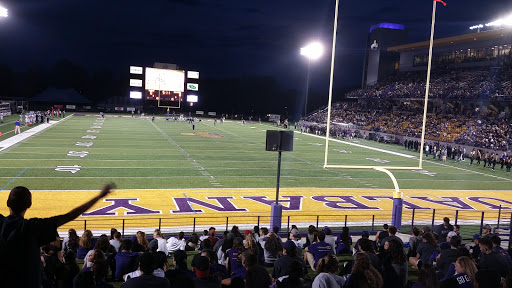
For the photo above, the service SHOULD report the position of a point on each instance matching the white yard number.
(89, 137)
(377, 160)
(93, 131)
(425, 172)
(86, 144)
(80, 154)
(96, 127)
(342, 151)
(71, 169)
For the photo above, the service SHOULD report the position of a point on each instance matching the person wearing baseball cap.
(487, 231)
(282, 265)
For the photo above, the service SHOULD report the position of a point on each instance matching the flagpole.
(428, 82)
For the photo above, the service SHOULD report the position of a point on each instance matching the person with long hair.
(161, 242)
(193, 243)
(234, 261)
(363, 274)
(271, 250)
(66, 271)
(96, 254)
(465, 274)
(250, 243)
(71, 242)
(326, 271)
(425, 251)
(427, 278)
(344, 242)
(113, 232)
(142, 244)
(395, 268)
(310, 237)
(86, 243)
(116, 242)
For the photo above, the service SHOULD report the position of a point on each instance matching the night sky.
(220, 38)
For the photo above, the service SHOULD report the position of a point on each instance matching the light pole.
(312, 51)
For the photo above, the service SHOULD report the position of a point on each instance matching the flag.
(441, 2)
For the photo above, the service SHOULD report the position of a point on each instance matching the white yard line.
(9, 142)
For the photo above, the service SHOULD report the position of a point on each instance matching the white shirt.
(116, 243)
(162, 245)
(173, 244)
(158, 273)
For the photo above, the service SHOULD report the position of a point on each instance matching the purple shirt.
(235, 260)
(320, 250)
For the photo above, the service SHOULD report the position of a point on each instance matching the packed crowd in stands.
(481, 128)
(259, 258)
(445, 84)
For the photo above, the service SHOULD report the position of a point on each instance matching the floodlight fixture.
(312, 51)
(4, 12)
(507, 21)
(476, 26)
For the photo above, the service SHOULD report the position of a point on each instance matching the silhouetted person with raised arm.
(21, 238)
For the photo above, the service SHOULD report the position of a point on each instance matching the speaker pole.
(278, 175)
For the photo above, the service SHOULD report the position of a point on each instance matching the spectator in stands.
(212, 236)
(86, 243)
(147, 279)
(443, 229)
(35, 232)
(204, 236)
(93, 256)
(344, 242)
(159, 242)
(326, 273)
(222, 254)
(446, 244)
(363, 273)
(217, 270)
(116, 242)
(140, 243)
(392, 235)
(256, 233)
(427, 251)
(256, 276)
(205, 245)
(193, 243)
(174, 244)
(220, 242)
(272, 246)
(475, 249)
(414, 241)
(293, 279)
(236, 231)
(104, 246)
(317, 251)
(234, 261)
(366, 246)
(100, 271)
(180, 276)
(331, 239)
(381, 235)
(66, 271)
(70, 242)
(448, 256)
(161, 265)
(203, 277)
(394, 265)
(492, 260)
(295, 237)
(126, 260)
(427, 277)
(282, 265)
(310, 237)
(249, 243)
(487, 231)
(465, 272)
(496, 246)
(84, 279)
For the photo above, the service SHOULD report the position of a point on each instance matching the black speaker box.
(279, 140)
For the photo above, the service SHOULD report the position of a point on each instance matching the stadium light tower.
(3, 12)
(312, 51)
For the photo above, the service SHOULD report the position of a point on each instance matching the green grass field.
(140, 154)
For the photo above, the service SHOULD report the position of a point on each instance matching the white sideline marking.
(362, 146)
(7, 143)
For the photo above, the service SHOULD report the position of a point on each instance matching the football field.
(169, 175)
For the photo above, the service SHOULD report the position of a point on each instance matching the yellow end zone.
(174, 208)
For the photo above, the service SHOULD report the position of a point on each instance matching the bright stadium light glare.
(312, 51)
(476, 26)
(507, 21)
(3, 12)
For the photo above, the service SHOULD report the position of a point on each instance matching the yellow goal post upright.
(397, 194)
